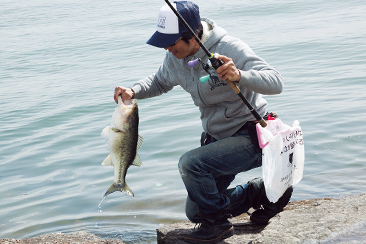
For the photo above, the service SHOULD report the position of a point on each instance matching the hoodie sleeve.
(256, 74)
(155, 84)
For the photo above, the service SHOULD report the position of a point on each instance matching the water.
(60, 62)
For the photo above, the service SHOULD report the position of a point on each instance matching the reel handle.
(205, 78)
(193, 62)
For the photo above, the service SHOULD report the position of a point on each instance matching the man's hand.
(228, 70)
(125, 93)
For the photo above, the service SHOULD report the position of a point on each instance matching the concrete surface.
(326, 220)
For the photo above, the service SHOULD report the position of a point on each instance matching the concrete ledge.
(306, 221)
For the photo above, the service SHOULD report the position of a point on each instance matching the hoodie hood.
(212, 34)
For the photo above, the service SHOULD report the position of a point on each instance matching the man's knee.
(188, 163)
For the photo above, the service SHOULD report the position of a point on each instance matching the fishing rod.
(216, 63)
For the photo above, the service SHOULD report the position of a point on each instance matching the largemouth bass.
(123, 142)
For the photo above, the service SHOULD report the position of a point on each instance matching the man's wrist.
(239, 75)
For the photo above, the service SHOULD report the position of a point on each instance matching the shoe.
(256, 193)
(269, 210)
(214, 228)
(210, 232)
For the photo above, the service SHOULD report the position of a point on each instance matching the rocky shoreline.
(323, 220)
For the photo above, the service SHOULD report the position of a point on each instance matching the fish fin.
(119, 187)
(115, 129)
(137, 161)
(118, 130)
(107, 160)
(140, 140)
(127, 190)
(105, 131)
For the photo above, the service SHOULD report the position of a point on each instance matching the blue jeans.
(207, 172)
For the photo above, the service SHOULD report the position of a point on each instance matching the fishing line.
(216, 63)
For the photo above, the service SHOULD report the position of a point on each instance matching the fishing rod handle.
(236, 89)
(216, 63)
(234, 86)
(263, 123)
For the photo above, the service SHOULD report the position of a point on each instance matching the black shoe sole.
(261, 221)
(224, 235)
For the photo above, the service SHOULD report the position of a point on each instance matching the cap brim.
(163, 40)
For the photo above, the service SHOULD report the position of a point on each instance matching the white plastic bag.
(282, 156)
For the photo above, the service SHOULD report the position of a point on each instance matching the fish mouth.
(127, 108)
(129, 102)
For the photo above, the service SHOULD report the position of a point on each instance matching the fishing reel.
(210, 67)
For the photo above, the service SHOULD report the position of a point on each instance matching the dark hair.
(186, 36)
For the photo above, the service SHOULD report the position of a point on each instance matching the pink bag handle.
(259, 135)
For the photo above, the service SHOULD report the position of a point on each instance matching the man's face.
(181, 49)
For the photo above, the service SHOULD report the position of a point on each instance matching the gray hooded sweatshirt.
(223, 112)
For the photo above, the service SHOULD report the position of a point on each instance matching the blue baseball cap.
(170, 28)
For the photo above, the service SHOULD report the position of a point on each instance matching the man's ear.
(192, 40)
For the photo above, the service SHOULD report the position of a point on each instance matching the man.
(229, 144)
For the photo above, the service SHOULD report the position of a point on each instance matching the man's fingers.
(117, 92)
(228, 70)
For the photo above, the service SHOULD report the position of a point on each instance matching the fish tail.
(119, 187)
